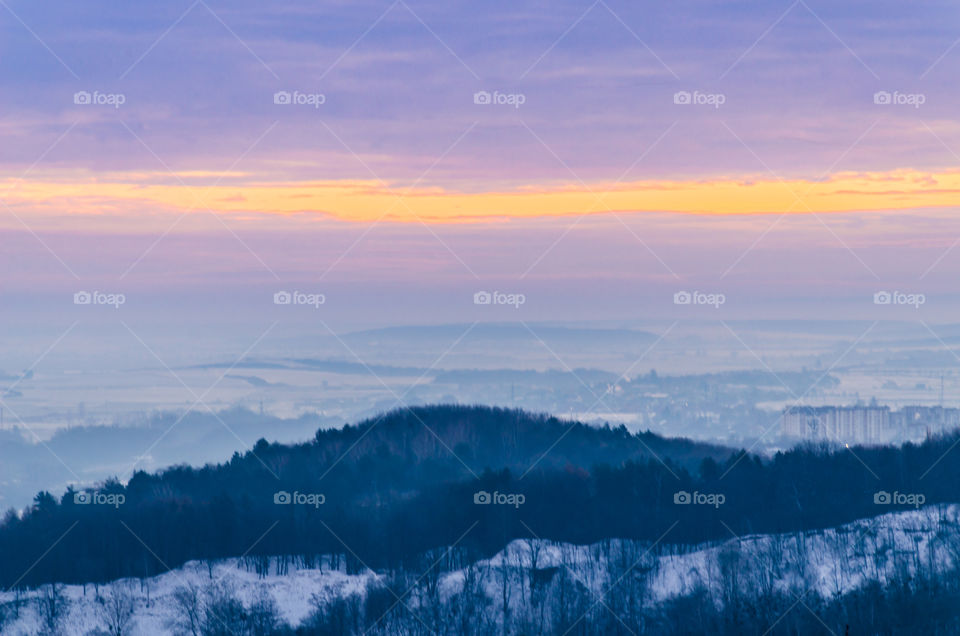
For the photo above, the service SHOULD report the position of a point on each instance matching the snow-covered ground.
(155, 606)
(835, 561)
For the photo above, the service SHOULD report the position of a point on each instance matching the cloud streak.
(371, 200)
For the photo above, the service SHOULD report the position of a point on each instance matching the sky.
(399, 157)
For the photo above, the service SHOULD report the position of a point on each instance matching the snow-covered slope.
(833, 562)
(155, 605)
(830, 562)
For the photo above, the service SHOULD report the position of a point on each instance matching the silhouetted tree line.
(397, 486)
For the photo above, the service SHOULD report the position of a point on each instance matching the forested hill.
(370, 475)
(388, 490)
(475, 438)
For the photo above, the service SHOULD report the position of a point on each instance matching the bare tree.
(223, 613)
(343, 615)
(730, 564)
(505, 589)
(263, 617)
(8, 613)
(117, 606)
(469, 607)
(52, 608)
(189, 607)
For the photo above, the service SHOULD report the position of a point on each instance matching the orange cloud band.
(365, 201)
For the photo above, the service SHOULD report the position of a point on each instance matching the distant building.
(845, 424)
(920, 422)
(867, 424)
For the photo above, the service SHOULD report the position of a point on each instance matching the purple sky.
(598, 84)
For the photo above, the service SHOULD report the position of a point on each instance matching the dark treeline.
(398, 486)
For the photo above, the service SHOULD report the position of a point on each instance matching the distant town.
(867, 424)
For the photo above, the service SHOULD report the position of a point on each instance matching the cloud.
(371, 200)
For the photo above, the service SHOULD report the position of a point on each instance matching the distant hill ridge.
(482, 437)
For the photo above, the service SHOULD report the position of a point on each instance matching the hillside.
(548, 587)
(389, 490)
(471, 439)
